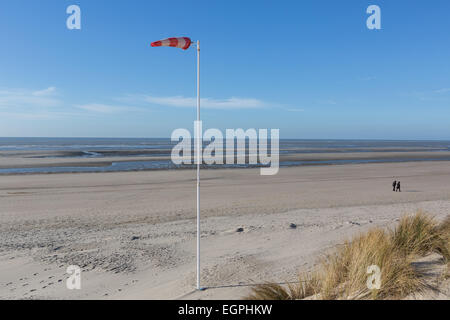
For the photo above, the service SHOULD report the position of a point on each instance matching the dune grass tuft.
(443, 246)
(343, 273)
(270, 291)
(417, 235)
(305, 287)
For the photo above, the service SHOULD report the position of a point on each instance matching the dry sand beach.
(133, 233)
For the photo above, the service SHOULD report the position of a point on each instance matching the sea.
(160, 148)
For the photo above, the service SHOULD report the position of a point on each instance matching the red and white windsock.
(182, 42)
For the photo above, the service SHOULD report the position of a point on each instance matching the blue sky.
(310, 68)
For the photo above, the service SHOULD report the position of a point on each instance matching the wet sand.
(30, 159)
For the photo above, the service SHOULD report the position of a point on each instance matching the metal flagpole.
(184, 43)
(199, 160)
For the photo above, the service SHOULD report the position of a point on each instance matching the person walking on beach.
(398, 187)
(394, 185)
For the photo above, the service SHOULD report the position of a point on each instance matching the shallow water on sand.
(96, 148)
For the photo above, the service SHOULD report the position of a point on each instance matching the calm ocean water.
(106, 144)
(135, 147)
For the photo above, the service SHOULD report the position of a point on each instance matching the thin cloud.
(46, 92)
(43, 103)
(329, 102)
(444, 90)
(105, 108)
(367, 78)
(46, 103)
(208, 103)
(22, 98)
(294, 110)
(38, 115)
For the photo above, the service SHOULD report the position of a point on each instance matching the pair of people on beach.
(396, 186)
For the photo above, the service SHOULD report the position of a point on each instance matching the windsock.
(182, 42)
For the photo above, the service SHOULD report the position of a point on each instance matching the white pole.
(199, 159)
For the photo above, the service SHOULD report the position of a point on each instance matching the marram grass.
(343, 273)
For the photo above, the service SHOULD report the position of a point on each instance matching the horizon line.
(352, 139)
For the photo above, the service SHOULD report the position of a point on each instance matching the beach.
(133, 233)
(240, 151)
